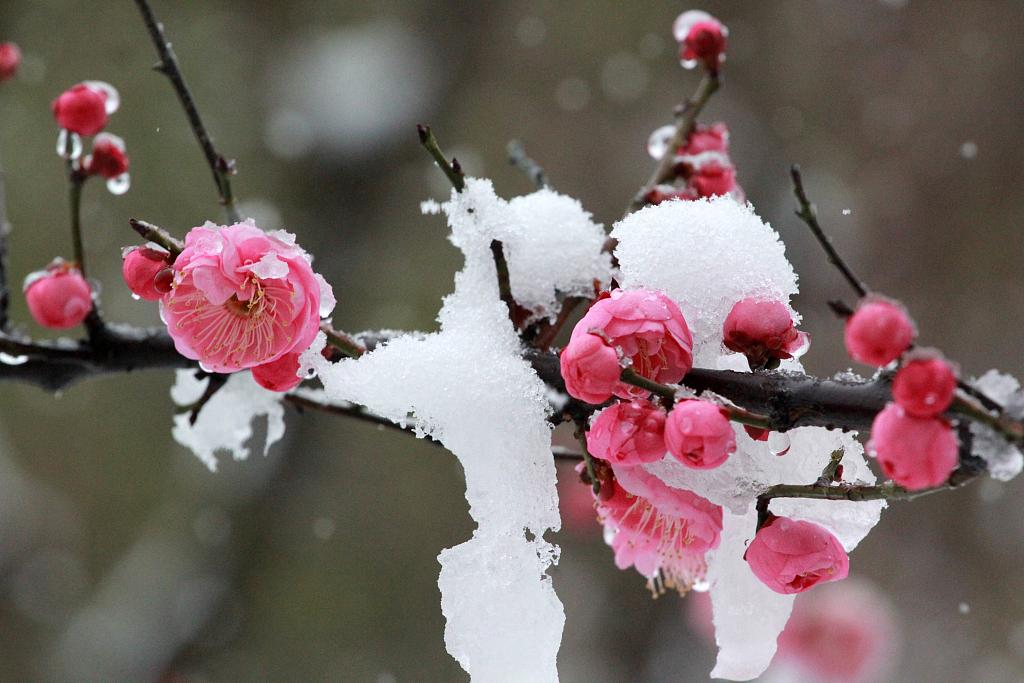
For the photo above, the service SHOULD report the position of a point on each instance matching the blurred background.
(122, 558)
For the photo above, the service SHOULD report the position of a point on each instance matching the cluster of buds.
(701, 166)
(646, 331)
(914, 445)
(84, 111)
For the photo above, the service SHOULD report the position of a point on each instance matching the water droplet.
(119, 185)
(778, 443)
(659, 141)
(846, 212)
(701, 586)
(964, 608)
(968, 150)
(136, 296)
(8, 359)
(63, 140)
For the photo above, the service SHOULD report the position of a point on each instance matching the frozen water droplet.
(119, 185)
(778, 443)
(659, 141)
(968, 150)
(8, 359)
(685, 21)
(688, 63)
(964, 608)
(69, 146)
(136, 296)
(113, 101)
(846, 212)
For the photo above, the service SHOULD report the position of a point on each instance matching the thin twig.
(76, 179)
(686, 118)
(546, 330)
(531, 169)
(454, 172)
(221, 168)
(504, 286)
(809, 215)
(343, 342)
(5, 227)
(157, 235)
(217, 381)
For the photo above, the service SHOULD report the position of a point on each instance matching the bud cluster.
(84, 110)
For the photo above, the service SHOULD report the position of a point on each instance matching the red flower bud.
(10, 59)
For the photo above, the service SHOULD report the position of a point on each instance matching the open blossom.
(702, 38)
(698, 434)
(141, 266)
(925, 386)
(58, 297)
(85, 108)
(663, 532)
(10, 59)
(279, 375)
(791, 556)
(649, 329)
(241, 297)
(628, 434)
(762, 330)
(879, 331)
(915, 452)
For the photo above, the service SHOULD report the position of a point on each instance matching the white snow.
(1004, 460)
(469, 387)
(225, 422)
(706, 255)
(551, 245)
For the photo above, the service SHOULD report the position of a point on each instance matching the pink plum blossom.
(58, 297)
(590, 369)
(848, 617)
(628, 433)
(278, 375)
(791, 556)
(925, 386)
(762, 330)
(648, 328)
(141, 266)
(703, 138)
(241, 297)
(664, 541)
(85, 108)
(702, 38)
(915, 452)
(699, 435)
(10, 59)
(879, 331)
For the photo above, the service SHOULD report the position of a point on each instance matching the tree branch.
(221, 168)
(531, 169)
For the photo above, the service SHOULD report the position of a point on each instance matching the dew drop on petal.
(778, 443)
(119, 185)
(659, 141)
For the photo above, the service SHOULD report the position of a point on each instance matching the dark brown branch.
(504, 286)
(221, 168)
(54, 366)
(809, 215)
